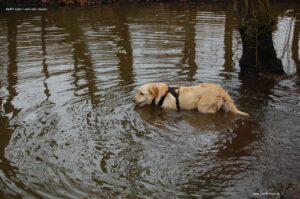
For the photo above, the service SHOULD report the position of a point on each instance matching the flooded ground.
(69, 129)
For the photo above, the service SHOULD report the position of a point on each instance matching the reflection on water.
(69, 128)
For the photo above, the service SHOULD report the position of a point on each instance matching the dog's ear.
(153, 90)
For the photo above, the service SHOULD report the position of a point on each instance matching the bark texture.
(255, 25)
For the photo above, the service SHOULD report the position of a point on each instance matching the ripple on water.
(72, 129)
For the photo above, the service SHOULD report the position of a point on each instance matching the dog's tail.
(229, 106)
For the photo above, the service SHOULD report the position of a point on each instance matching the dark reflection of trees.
(295, 43)
(82, 59)
(189, 51)
(6, 129)
(245, 133)
(12, 80)
(237, 141)
(249, 129)
(81, 54)
(44, 53)
(12, 66)
(124, 48)
(229, 25)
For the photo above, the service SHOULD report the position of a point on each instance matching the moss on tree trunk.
(255, 24)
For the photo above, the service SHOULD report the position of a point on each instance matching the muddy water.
(69, 129)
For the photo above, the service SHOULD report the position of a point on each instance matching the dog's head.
(149, 92)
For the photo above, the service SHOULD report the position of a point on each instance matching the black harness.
(173, 92)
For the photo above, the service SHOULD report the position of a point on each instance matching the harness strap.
(174, 93)
(162, 99)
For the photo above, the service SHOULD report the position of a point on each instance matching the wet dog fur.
(205, 98)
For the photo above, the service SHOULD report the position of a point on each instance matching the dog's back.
(208, 98)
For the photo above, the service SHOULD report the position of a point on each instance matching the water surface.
(69, 128)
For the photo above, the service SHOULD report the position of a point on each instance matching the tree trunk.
(229, 26)
(295, 43)
(255, 25)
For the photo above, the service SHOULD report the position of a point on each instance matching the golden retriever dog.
(205, 98)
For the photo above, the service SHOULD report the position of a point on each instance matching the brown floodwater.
(69, 128)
